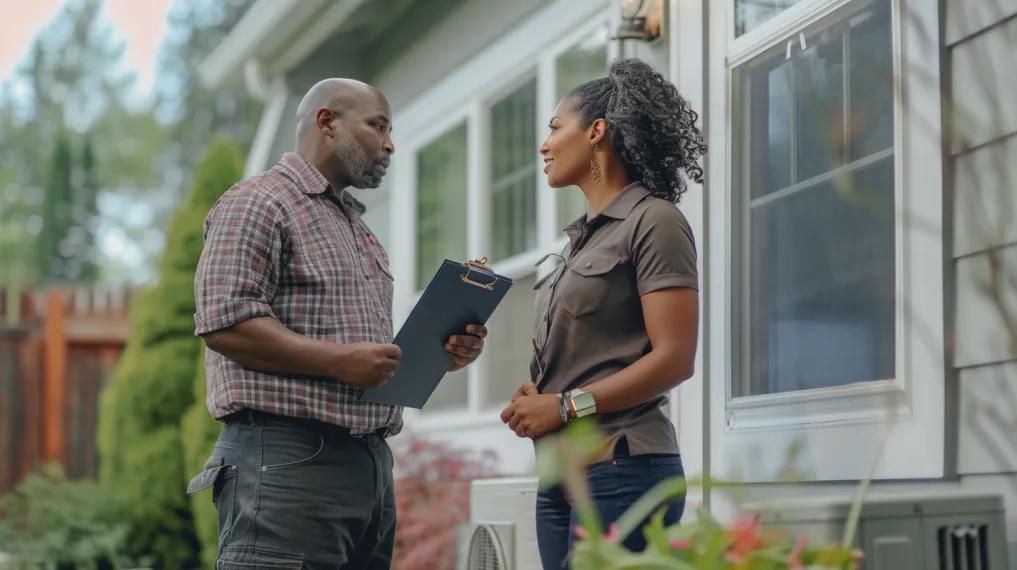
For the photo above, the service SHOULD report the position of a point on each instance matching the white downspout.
(273, 93)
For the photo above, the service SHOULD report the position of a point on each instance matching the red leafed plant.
(433, 500)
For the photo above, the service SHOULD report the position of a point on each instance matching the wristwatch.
(581, 403)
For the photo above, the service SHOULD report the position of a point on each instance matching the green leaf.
(666, 490)
(656, 534)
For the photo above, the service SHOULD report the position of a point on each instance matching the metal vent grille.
(486, 550)
(964, 547)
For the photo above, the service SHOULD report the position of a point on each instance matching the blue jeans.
(615, 485)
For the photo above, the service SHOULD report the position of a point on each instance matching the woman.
(618, 319)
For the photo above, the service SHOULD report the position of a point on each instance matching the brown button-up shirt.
(285, 244)
(589, 316)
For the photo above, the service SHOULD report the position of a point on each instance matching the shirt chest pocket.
(596, 279)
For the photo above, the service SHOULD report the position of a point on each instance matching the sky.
(141, 23)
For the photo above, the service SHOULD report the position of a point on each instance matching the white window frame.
(468, 93)
(837, 427)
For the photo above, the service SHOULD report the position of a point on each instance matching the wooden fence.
(56, 354)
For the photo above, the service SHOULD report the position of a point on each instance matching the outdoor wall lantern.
(640, 20)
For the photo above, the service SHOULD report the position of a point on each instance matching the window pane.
(819, 84)
(822, 296)
(751, 13)
(871, 81)
(513, 172)
(768, 92)
(583, 62)
(441, 203)
(819, 250)
(450, 393)
(509, 345)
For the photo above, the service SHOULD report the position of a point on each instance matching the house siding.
(981, 38)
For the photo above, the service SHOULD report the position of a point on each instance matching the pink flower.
(733, 557)
(612, 533)
(793, 559)
(680, 544)
(745, 535)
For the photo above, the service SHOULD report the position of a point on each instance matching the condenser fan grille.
(486, 552)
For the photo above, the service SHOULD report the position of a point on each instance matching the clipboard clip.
(478, 266)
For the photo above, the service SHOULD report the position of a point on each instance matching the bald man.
(294, 302)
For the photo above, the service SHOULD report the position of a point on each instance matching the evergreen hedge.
(151, 433)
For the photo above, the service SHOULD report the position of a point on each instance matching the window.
(513, 172)
(441, 203)
(583, 62)
(509, 344)
(751, 13)
(815, 189)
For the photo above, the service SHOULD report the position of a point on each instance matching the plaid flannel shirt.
(284, 244)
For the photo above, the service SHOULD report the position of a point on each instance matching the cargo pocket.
(253, 558)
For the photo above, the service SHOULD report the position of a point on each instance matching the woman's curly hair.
(650, 125)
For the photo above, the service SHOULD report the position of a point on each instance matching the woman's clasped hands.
(532, 414)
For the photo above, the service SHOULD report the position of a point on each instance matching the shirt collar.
(312, 181)
(619, 208)
(308, 177)
(625, 201)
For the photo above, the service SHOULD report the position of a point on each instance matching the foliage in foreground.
(702, 544)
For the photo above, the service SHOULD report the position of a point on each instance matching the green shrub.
(55, 523)
(145, 442)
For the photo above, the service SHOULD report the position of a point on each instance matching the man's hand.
(366, 364)
(532, 415)
(465, 348)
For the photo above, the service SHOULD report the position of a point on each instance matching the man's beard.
(361, 171)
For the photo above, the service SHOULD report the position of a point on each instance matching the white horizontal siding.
(985, 197)
(988, 419)
(983, 86)
(966, 17)
(983, 336)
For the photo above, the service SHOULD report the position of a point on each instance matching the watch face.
(585, 401)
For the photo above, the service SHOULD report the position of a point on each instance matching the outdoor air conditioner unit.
(922, 533)
(503, 532)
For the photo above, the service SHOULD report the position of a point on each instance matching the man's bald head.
(343, 128)
(339, 95)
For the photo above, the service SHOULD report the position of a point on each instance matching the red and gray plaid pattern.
(283, 244)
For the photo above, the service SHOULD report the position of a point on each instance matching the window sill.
(862, 402)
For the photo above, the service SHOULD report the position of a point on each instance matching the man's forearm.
(265, 344)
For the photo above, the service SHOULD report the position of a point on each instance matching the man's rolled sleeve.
(238, 273)
(664, 251)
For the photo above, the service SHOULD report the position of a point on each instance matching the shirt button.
(588, 265)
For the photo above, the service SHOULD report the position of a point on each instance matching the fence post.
(54, 374)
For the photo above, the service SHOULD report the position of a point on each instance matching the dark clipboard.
(459, 294)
